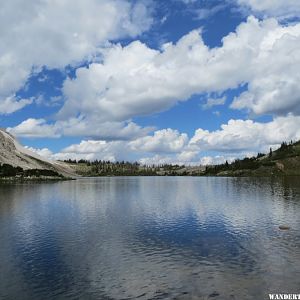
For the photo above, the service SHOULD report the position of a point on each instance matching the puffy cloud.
(241, 136)
(187, 155)
(166, 140)
(12, 104)
(86, 149)
(91, 150)
(74, 29)
(274, 88)
(216, 160)
(177, 159)
(157, 160)
(162, 141)
(44, 152)
(236, 139)
(277, 8)
(92, 128)
(95, 129)
(136, 80)
(34, 128)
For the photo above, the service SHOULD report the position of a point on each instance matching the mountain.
(14, 155)
(285, 161)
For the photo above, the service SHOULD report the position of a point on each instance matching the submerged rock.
(284, 227)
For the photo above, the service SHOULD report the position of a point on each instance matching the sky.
(179, 81)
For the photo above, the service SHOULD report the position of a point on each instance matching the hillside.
(284, 161)
(122, 168)
(15, 159)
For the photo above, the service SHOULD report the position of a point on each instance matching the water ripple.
(150, 238)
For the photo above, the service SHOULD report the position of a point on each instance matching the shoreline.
(35, 179)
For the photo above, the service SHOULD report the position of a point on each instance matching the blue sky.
(178, 81)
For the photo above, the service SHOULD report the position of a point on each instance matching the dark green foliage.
(260, 155)
(270, 153)
(38, 173)
(107, 168)
(7, 170)
(286, 150)
(268, 163)
(239, 164)
(71, 161)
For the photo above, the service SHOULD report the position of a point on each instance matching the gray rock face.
(12, 153)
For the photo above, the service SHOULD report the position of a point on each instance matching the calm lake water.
(150, 238)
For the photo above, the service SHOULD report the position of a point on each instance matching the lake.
(150, 238)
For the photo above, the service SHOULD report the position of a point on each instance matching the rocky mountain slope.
(14, 154)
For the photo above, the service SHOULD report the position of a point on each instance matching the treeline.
(121, 168)
(7, 170)
(252, 163)
(124, 168)
(285, 150)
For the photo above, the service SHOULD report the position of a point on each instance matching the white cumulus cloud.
(277, 8)
(166, 140)
(236, 139)
(34, 128)
(37, 33)
(136, 80)
(39, 128)
(247, 135)
(11, 104)
(43, 152)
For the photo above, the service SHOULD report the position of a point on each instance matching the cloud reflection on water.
(151, 237)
